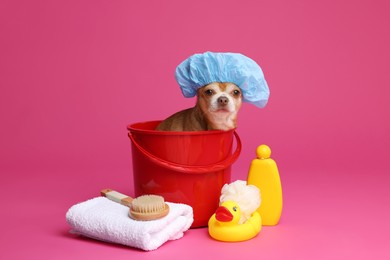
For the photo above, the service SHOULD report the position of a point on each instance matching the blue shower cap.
(202, 69)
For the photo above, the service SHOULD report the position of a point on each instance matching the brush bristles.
(148, 204)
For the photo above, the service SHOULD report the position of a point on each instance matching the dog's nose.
(223, 101)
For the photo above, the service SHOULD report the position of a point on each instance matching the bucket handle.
(192, 169)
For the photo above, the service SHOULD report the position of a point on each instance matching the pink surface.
(73, 74)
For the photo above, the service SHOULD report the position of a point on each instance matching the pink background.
(73, 74)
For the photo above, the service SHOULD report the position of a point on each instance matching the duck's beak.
(223, 214)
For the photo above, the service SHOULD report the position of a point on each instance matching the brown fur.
(216, 109)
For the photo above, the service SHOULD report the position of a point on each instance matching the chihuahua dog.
(216, 108)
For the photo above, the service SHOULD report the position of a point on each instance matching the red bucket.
(183, 167)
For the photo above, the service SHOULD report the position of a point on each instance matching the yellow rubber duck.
(224, 226)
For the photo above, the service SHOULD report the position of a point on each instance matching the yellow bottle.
(264, 174)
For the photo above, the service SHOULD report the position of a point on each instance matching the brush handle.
(117, 197)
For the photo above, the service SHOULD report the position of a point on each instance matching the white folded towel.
(105, 220)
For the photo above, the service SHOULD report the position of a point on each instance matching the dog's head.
(220, 102)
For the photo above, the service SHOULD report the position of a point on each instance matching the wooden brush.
(145, 207)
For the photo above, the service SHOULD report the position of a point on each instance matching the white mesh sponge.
(246, 196)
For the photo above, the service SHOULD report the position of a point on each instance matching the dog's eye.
(209, 92)
(236, 92)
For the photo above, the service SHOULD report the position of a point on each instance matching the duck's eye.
(236, 92)
(234, 208)
(209, 92)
